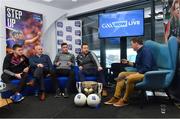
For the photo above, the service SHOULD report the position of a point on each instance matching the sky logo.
(36, 17)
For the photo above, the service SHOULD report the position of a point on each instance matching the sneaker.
(58, 93)
(36, 93)
(13, 97)
(111, 101)
(18, 97)
(42, 96)
(120, 103)
(104, 93)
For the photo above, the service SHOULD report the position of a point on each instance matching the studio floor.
(52, 107)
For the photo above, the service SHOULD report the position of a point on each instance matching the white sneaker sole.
(107, 103)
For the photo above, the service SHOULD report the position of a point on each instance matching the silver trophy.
(100, 88)
(89, 87)
(79, 87)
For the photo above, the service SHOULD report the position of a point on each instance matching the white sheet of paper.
(64, 65)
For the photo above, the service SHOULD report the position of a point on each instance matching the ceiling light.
(47, 0)
(74, 0)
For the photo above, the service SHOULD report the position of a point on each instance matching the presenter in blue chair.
(16, 66)
(41, 66)
(144, 62)
(90, 66)
(64, 62)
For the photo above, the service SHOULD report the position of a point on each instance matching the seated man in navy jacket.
(41, 65)
(144, 62)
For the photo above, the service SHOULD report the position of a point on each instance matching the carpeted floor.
(59, 107)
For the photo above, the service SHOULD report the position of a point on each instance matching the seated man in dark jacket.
(16, 66)
(144, 62)
(89, 65)
(41, 66)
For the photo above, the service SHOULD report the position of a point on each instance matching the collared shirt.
(144, 60)
(42, 59)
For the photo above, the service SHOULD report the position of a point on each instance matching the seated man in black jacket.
(16, 66)
(89, 65)
(144, 62)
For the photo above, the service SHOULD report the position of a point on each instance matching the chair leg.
(153, 93)
(170, 99)
(143, 98)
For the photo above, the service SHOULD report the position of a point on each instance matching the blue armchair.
(166, 58)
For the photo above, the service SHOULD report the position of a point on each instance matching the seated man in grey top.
(64, 62)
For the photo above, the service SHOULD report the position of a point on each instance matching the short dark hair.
(62, 44)
(15, 46)
(137, 40)
(84, 44)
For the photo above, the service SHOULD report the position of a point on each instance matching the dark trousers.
(92, 72)
(39, 74)
(69, 73)
(7, 79)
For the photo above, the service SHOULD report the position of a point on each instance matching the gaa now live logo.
(121, 24)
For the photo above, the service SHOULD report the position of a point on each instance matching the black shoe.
(42, 97)
(58, 93)
(65, 94)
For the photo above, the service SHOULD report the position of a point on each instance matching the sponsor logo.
(70, 46)
(59, 49)
(121, 24)
(59, 24)
(59, 33)
(77, 50)
(59, 41)
(77, 23)
(37, 18)
(69, 38)
(77, 32)
(78, 41)
(68, 28)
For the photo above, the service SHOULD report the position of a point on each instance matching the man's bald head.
(38, 49)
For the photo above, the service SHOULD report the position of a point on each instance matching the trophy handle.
(100, 87)
(4, 85)
(78, 86)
